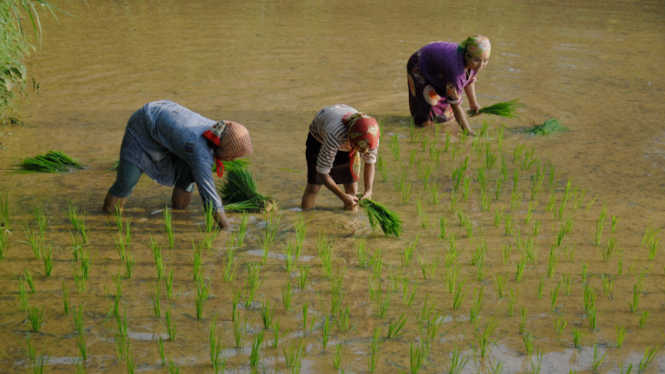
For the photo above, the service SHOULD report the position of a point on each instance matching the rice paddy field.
(519, 253)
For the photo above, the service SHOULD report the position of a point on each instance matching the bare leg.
(309, 197)
(180, 198)
(113, 203)
(351, 189)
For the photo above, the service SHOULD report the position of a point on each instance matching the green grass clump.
(240, 192)
(51, 162)
(380, 215)
(551, 126)
(507, 109)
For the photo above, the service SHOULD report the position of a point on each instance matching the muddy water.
(271, 66)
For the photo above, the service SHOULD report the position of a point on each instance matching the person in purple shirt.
(437, 74)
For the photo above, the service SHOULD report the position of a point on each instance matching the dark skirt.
(341, 170)
(421, 109)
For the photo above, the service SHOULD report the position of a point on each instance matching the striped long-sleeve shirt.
(328, 129)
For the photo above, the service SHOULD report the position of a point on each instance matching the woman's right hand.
(350, 201)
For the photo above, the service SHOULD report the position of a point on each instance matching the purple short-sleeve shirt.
(444, 67)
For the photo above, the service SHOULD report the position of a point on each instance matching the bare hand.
(350, 202)
(475, 107)
(366, 195)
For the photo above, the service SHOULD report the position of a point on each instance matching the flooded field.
(520, 253)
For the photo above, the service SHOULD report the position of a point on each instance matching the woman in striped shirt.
(339, 137)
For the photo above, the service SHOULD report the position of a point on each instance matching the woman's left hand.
(366, 195)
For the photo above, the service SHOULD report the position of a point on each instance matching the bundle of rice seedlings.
(506, 109)
(240, 193)
(380, 215)
(551, 126)
(51, 162)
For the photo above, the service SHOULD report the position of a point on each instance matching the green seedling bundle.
(51, 162)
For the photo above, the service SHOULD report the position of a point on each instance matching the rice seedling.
(621, 334)
(394, 147)
(515, 200)
(406, 192)
(407, 255)
(381, 165)
(540, 287)
(28, 278)
(523, 317)
(520, 266)
(428, 269)
(551, 203)
(466, 188)
(373, 358)
(552, 262)
(294, 356)
(636, 299)
(647, 359)
(168, 226)
(131, 364)
(512, 299)
(577, 338)
(301, 280)
(36, 318)
(276, 334)
(342, 321)
(255, 354)
(643, 318)
(535, 366)
(47, 259)
(608, 285)
(509, 224)
(527, 339)
(34, 241)
(653, 248)
(500, 285)
(239, 330)
(585, 267)
(457, 361)
(51, 162)
(77, 220)
(79, 325)
(554, 295)
(202, 290)
(406, 298)
(170, 325)
(458, 295)
(417, 358)
(287, 295)
(600, 225)
(337, 356)
(395, 327)
(382, 302)
(38, 362)
(484, 342)
(560, 325)
(216, 349)
(592, 318)
(325, 332)
(507, 109)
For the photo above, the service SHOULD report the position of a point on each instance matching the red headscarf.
(232, 140)
(364, 134)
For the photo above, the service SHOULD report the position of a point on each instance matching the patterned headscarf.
(363, 133)
(476, 45)
(232, 140)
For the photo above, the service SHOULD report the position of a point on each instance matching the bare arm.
(461, 118)
(470, 90)
(221, 220)
(369, 180)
